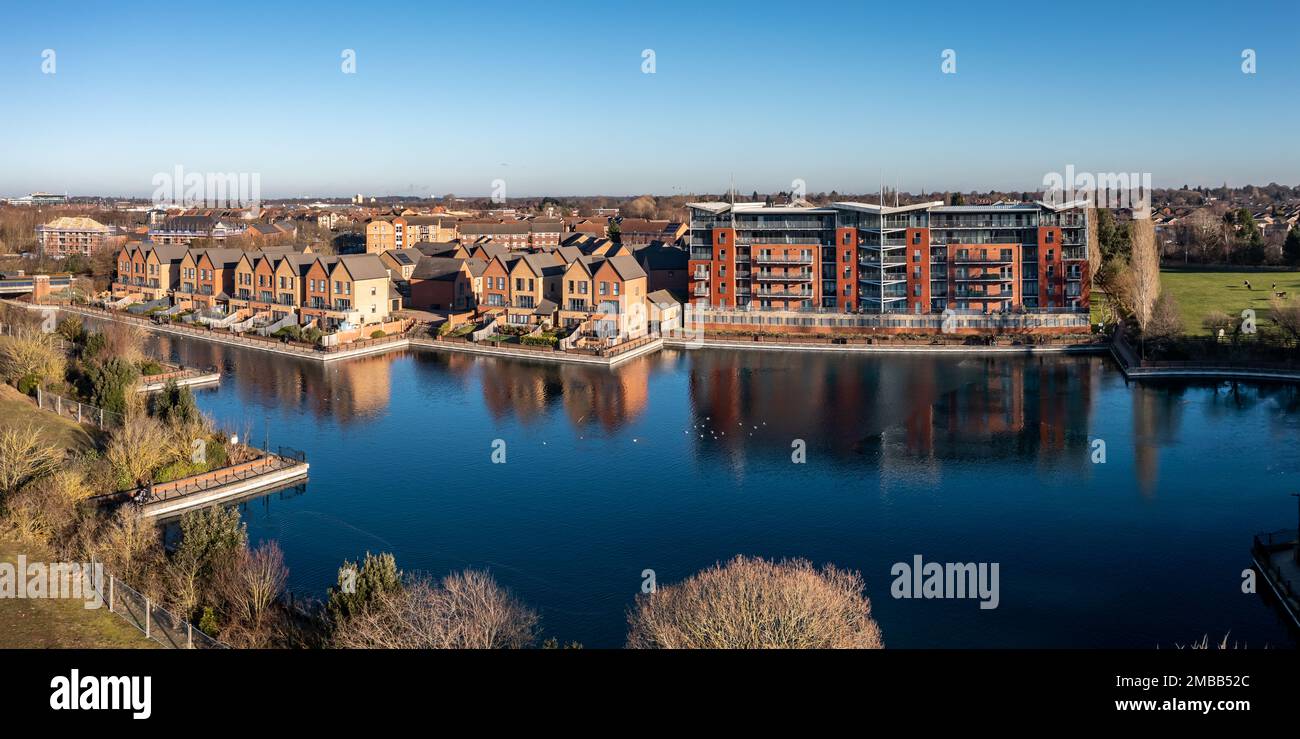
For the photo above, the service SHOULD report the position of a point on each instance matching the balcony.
(976, 259)
(700, 274)
(763, 275)
(780, 259)
(763, 292)
(984, 278)
(701, 291)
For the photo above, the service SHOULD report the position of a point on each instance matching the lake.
(674, 461)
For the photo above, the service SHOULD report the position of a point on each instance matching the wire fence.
(155, 622)
(77, 411)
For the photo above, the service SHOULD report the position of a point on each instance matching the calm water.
(675, 461)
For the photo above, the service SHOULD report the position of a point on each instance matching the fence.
(1214, 354)
(76, 410)
(1263, 548)
(155, 622)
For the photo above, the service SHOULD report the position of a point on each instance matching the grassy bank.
(46, 623)
(1199, 293)
(32, 623)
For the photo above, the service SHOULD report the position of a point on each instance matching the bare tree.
(124, 341)
(250, 587)
(466, 610)
(752, 603)
(1286, 314)
(24, 457)
(1093, 245)
(137, 448)
(29, 353)
(1216, 321)
(1145, 267)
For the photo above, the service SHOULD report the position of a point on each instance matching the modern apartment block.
(865, 258)
(74, 235)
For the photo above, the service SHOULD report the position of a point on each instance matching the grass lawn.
(44, 623)
(1198, 293)
(17, 409)
(48, 623)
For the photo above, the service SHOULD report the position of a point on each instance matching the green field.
(1199, 293)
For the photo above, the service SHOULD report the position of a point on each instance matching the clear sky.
(551, 98)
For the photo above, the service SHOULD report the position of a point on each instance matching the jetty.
(266, 471)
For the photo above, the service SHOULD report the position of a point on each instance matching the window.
(722, 238)
(604, 288)
(615, 288)
(916, 239)
(1051, 237)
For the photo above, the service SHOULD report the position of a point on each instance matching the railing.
(1263, 547)
(790, 259)
(155, 622)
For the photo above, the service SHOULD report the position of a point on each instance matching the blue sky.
(550, 97)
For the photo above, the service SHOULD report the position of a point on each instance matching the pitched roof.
(364, 266)
(437, 268)
(626, 267)
(658, 255)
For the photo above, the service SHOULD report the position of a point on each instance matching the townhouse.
(868, 258)
(148, 270)
(348, 291)
(534, 281)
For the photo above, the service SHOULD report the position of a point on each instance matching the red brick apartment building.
(865, 258)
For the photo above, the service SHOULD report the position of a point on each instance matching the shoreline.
(429, 343)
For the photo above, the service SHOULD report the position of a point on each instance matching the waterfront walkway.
(1136, 368)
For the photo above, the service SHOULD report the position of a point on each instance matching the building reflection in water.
(345, 391)
(920, 411)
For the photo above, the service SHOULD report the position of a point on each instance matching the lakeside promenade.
(1124, 355)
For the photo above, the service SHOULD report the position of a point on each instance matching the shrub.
(312, 335)
(377, 334)
(136, 449)
(72, 329)
(539, 340)
(466, 610)
(1216, 321)
(151, 367)
(753, 603)
(112, 383)
(30, 354)
(24, 457)
(360, 586)
(293, 333)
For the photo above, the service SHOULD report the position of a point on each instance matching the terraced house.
(348, 290)
(865, 258)
(534, 282)
(150, 271)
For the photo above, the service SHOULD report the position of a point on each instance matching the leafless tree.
(752, 603)
(466, 610)
(250, 586)
(1145, 267)
(24, 457)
